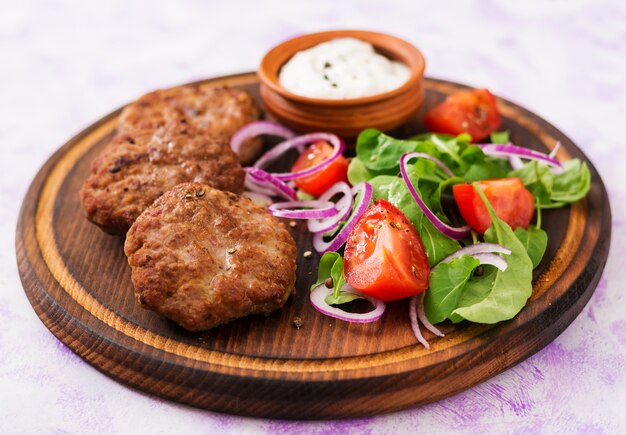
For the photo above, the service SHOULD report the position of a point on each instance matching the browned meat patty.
(203, 257)
(218, 110)
(134, 170)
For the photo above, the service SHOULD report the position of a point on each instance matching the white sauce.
(341, 68)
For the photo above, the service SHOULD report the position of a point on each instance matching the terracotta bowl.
(346, 118)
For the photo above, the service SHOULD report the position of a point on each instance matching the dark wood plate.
(78, 281)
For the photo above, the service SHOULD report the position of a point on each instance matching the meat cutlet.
(203, 257)
(135, 169)
(220, 111)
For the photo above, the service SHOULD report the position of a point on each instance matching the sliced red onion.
(343, 205)
(259, 198)
(508, 150)
(492, 259)
(299, 143)
(452, 232)
(555, 150)
(438, 162)
(415, 326)
(515, 162)
(363, 191)
(258, 128)
(259, 181)
(478, 248)
(304, 209)
(319, 294)
(421, 314)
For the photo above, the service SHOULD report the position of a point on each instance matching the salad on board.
(449, 219)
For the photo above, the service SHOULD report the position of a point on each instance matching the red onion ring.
(555, 150)
(343, 205)
(421, 314)
(492, 259)
(452, 232)
(438, 162)
(299, 143)
(319, 294)
(306, 209)
(415, 326)
(259, 181)
(478, 248)
(258, 128)
(364, 192)
(508, 150)
(515, 162)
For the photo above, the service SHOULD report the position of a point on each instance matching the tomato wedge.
(511, 201)
(384, 255)
(474, 112)
(319, 182)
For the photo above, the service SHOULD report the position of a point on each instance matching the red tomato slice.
(474, 112)
(511, 201)
(384, 255)
(319, 182)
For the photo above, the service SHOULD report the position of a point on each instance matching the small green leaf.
(437, 245)
(573, 184)
(357, 172)
(304, 196)
(381, 186)
(555, 190)
(342, 298)
(446, 284)
(535, 242)
(331, 266)
(500, 137)
(325, 267)
(336, 272)
(495, 295)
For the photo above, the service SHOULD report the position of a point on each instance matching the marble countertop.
(65, 63)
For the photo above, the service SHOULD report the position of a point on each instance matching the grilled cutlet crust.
(203, 257)
(135, 169)
(217, 110)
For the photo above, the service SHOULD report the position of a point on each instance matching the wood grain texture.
(78, 281)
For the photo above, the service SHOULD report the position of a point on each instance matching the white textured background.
(64, 64)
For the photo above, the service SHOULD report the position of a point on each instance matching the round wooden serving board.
(78, 281)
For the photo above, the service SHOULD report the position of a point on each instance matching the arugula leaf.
(304, 196)
(449, 147)
(573, 184)
(381, 186)
(446, 284)
(379, 152)
(482, 167)
(537, 178)
(555, 190)
(500, 137)
(325, 267)
(535, 241)
(358, 172)
(437, 245)
(331, 266)
(496, 296)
